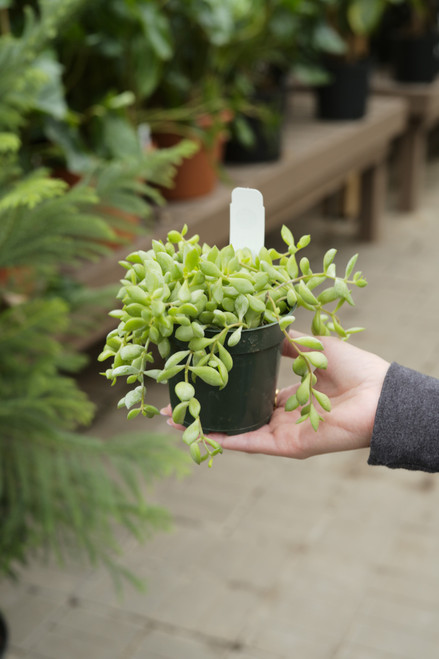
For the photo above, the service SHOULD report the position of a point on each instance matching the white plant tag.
(247, 219)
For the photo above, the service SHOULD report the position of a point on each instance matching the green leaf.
(169, 373)
(322, 399)
(192, 432)
(255, 304)
(225, 357)
(194, 408)
(286, 235)
(184, 391)
(176, 358)
(328, 258)
(195, 453)
(184, 333)
(210, 269)
(309, 342)
(351, 265)
(208, 375)
(179, 412)
(300, 366)
(314, 417)
(317, 359)
(302, 393)
(130, 352)
(134, 396)
(133, 413)
(306, 294)
(137, 294)
(125, 370)
(235, 337)
(242, 285)
(241, 306)
(304, 241)
(292, 403)
(286, 321)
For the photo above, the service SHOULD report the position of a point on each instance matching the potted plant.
(345, 95)
(269, 45)
(218, 318)
(415, 56)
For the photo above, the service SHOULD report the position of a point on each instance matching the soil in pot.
(247, 402)
(345, 96)
(415, 58)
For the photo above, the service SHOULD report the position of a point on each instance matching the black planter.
(416, 58)
(3, 636)
(247, 402)
(345, 96)
(267, 135)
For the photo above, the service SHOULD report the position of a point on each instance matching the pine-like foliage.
(60, 490)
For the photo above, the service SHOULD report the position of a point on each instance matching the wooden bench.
(317, 159)
(423, 113)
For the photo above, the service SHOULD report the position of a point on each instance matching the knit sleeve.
(406, 428)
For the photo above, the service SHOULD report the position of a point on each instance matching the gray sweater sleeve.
(406, 428)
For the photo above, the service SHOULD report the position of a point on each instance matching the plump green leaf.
(292, 403)
(286, 235)
(309, 342)
(208, 375)
(235, 337)
(322, 399)
(176, 358)
(184, 391)
(195, 453)
(194, 407)
(179, 412)
(317, 359)
(302, 393)
(184, 333)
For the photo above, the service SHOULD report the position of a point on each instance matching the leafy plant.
(181, 288)
(61, 491)
(353, 21)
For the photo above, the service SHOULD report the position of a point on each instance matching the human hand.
(353, 382)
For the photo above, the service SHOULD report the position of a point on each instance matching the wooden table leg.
(373, 189)
(411, 156)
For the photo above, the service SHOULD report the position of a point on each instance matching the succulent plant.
(181, 288)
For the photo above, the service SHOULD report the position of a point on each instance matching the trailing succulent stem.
(177, 291)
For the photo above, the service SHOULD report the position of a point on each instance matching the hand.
(353, 382)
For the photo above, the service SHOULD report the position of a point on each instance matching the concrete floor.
(269, 558)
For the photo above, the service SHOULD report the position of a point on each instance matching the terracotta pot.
(195, 176)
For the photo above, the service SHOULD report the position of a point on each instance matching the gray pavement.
(271, 558)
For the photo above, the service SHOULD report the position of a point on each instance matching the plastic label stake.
(247, 220)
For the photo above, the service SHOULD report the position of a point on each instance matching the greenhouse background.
(125, 120)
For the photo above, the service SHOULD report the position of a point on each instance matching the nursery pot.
(345, 96)
(247, 401)
(415, 58)
(196, 176)
(267, 136)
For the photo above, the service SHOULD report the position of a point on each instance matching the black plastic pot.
(345, 96)
(247, 402)
(416, 58)
(3, 636)
(267, 135)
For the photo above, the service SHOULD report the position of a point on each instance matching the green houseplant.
(196, 303)
(354, 21)
(415, 45)
(59, 494)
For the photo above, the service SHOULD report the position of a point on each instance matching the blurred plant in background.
(60, 490)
